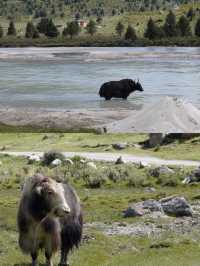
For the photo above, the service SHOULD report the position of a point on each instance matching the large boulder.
(142, 208)
(176, 206)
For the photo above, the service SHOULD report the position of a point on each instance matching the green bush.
(50, 156)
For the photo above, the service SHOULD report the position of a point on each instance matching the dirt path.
(112, 157)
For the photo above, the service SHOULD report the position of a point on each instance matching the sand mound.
(169, 115)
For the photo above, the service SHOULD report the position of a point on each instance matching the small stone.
(92, 165)
(150, 189)
(131, 212)
(120, 161)
(33, 158)
(120, 146)
(56, 162)
(188, 180)
(143, 165)
(45, 137)
(162, 170)
(69, 161)
(137, 146)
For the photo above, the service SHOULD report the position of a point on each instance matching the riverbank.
(97, 41)
(170, 114)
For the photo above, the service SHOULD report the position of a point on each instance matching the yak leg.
(48, 256)
(63, 261)
(34, 256)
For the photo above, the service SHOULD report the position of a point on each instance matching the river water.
(70, 78)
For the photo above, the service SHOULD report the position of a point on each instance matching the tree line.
(171, 28)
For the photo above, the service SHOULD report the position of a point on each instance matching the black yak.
(119, 89)
(49, 218)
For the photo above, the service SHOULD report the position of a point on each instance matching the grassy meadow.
(119, 186)
(91, 142)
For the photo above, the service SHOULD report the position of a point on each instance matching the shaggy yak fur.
(49, 218)
(119, 89)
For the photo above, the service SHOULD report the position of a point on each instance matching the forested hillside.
(38, 8)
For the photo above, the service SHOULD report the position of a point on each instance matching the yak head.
(51, 196)
(135, 85)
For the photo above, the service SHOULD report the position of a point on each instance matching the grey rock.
(120, 161)
(188, 180)
(143, 208)
(143, 165)
(150, 189)
(196, 173)
(56, 162)
(120, 146)
(152, 205)
(69, 161)
(162, 170)
(176, 206)
(91, 165)
(132, 212)
(33, 158)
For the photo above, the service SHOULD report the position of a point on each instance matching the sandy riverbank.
(169, 115)
(53, 120)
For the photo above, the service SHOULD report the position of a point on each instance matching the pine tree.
(72, 29)
(1, 31)
(197, 28)
(11, 29)
(30, 30)
(153, 31)
(42, 25)
(91, 27)
(183, 26)
(119, 29)
(130, 34)
(52, 30)
(170, 25)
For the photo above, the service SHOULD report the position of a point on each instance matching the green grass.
(99, 205)
(90, 142)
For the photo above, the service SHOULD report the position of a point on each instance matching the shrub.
(50, 156)
(11, 29)
(1, 31)
(169, 180)
(91, 27)
(130, 34)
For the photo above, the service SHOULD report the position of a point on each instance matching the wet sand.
(169, 115)
(68, 120)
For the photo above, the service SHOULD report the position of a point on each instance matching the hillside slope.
(59, 8)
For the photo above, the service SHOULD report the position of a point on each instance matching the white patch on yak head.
(53, 192)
